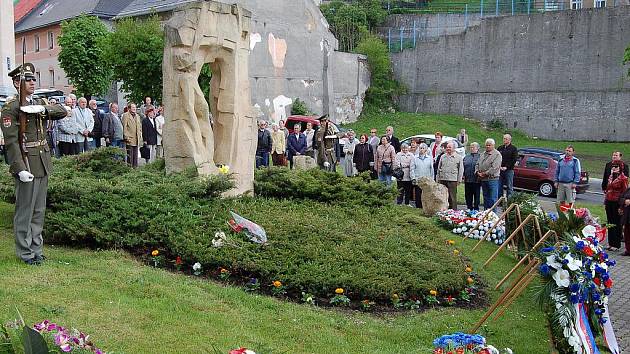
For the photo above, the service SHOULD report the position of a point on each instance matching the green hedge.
(313, 247)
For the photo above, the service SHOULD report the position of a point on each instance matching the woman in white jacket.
(422, 167)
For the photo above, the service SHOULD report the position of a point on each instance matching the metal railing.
(489, 7)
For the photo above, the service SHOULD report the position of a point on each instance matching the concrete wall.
(427, 25)
(294, 56)
(554, 75)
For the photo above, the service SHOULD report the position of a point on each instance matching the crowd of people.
(137, 130)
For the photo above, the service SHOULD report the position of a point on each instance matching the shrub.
(321, 186)
(299, 108)
(312, 247)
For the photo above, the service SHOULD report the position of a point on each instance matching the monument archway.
(218, 34)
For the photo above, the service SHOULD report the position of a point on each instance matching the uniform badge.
(6, 121)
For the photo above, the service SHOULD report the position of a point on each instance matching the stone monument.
(434, 196)
(218, 34)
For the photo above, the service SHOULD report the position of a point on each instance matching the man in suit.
(392, 139)
(296, 144)
(28, 155)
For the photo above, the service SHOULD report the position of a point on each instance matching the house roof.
(143, 7)
(50, 12)
(22, 8)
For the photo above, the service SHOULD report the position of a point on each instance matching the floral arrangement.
(49, 337)
(462, 222)
(576, 290)
(462, 343)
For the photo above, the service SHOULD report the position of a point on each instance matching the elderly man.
(132, 133)
(389, 131)
(85, 120)
(97, 131)
(567, 176)
(488, 169)
(450, 172)
(67, 132)
(296, 144)
(264, 145)
(29, 159)
(509, 156)
(112, 127)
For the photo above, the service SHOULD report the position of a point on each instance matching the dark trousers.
(418, 192)
(452, 193)
(66, 149)
(613, 217)
(262, 159)
(626, 237)
(132, 156)
(404, 190)
(473, 193)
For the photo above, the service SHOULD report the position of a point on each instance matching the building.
(40, 28)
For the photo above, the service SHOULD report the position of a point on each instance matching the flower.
(572, 263)
(155, 253)
(433, 292)
(450, 242)
(339, 291)
(223, 270)
(395, 296)
(456, 252)
(224, 169)
(589, 231)
(551, 261)
(178, 261)
(277, 283)
(562, 278)
(468, 269)
(365, 302)
(544, 269)
(196, 266)
(470, 280)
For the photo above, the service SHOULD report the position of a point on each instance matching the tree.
(81, 55)
(134, 51)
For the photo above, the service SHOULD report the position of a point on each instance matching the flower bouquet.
(576, 287)
(462, 343)
(462, 222)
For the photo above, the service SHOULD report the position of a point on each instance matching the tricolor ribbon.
(609, 335)
(584, 330)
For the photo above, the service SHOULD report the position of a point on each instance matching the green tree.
(81, 55)
(383, 88)
(134, 51)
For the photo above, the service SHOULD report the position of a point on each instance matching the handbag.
(398, 173)
(144, 152)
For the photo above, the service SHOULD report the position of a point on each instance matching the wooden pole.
(522, 286)
(529, 217)
(495, 224)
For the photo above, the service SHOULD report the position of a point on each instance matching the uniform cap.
(29, 71)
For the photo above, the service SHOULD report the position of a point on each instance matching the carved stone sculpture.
(434, 196)
(218, 34)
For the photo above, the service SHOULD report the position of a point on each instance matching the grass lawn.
(131, 308)
(593, 155)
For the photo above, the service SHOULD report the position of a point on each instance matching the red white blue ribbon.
(609, 335)
(584, 330)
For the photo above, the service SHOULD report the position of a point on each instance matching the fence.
(490, 7)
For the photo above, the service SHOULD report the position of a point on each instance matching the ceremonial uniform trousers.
(30, 197)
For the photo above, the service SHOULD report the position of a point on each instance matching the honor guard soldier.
(24, 121)
(327, 140)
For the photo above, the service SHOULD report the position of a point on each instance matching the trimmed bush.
(313, 247)
(321, 186)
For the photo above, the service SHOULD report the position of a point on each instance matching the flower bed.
(462, 222)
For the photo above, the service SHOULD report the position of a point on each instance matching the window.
(600, 3)
(538, 163)
(576, 4)
(51, 40)
(52, 77)
(39, 78)
(37, 43)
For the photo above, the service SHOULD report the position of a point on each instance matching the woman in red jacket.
(617, 184)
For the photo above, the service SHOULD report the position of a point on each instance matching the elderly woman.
(422, 167)
(385, 156)
(450, 172)
(363, 156)
(404, 159)
(617, 184)
(413, 147)
(348, 149)
(278, 146)
(472, 186)
(488, 168)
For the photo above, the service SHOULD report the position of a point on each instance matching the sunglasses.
(29, 79)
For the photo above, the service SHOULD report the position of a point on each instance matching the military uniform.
(327, 140)
(30, 197)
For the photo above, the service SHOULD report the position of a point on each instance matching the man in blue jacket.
(296, 144)
(567, 176)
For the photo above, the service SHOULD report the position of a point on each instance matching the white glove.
(326, 164)
(33, 109)
(25, 176)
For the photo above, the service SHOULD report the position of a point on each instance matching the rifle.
(22, 115)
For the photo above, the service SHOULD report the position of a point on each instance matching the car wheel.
(546, 189)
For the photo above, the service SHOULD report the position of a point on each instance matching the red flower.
(459, 350)
(588, 251)
(484, 351)
(597, 281)
(608, 283)
(238, 351)
(178, 261)
(438, 351)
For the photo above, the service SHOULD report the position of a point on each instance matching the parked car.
(102, 104)
(302, 120)
(536, 171)
(47, 93)
(430, 138)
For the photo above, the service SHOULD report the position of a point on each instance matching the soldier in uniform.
(32, 168)
(327, 140)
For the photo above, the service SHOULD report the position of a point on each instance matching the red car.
(302, 120)
(537, 171)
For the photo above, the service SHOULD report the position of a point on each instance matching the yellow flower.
(433, 292)
(225, 169)
(339, 291)
(366, 302)
(450, 242)
(223, 270)
(470, 280)
(455, 252)
(395, 296)
(277, 283)
(468, 269)
(155, 253)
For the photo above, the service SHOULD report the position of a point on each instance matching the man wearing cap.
(30, 162)
(326, 138)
